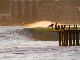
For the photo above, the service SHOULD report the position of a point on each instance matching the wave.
(13, 35)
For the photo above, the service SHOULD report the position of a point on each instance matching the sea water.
(16, 45)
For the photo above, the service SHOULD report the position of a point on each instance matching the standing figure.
(51, 26)
(56, 26)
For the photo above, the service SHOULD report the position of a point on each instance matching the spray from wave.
(39, 24)
(13, 35)
(43, 24)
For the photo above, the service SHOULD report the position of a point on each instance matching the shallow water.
(14, 46)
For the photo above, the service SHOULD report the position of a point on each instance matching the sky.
(4, 4)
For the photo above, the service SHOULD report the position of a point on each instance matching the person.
(51, 26)
(56, 26)
(63, 27)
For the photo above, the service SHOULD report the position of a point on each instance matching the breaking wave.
(15, 44)
(13, 35)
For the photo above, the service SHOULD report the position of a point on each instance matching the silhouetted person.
(51, 26)
(61, 27)
(56, 26)
(64, 27)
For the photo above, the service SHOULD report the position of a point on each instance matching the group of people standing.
(57, 27)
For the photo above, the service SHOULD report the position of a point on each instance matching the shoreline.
(20, 22)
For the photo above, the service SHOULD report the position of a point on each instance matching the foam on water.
(9, 35)
(40, 53)
(14, 36)
(14, 45)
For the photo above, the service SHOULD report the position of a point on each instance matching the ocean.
(16, 45)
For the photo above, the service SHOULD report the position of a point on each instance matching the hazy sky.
(4, 4)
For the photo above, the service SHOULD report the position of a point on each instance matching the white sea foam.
(10, 35)
(14, 46)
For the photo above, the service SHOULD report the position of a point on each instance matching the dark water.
(17, 45)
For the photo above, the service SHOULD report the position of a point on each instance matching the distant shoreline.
(20, 22)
